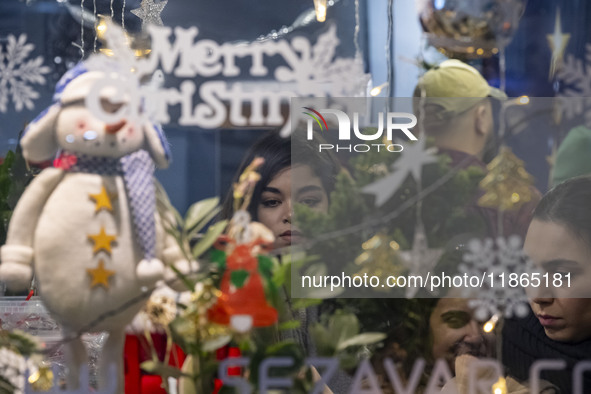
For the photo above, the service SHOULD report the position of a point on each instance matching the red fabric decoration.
(65, 161)
(137, 381)
(247, 300)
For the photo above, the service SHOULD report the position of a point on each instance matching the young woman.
(293, 172)
(558, 242)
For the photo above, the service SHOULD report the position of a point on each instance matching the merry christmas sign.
(305, 70)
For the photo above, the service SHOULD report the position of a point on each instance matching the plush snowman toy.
(88, 227)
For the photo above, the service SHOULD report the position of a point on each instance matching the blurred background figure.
(572, 157)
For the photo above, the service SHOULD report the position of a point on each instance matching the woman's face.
(554, 249)
(455, 331)
(298, 184)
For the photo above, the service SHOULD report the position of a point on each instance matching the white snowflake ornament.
(480, 253)
(495, 263)
(17, 74)
(322, 73)
(575, 95)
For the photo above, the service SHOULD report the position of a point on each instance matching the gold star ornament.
(100, 275)
(102, 200)
(557, 42)
(102, 241)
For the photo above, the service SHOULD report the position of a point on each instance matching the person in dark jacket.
(559, 243)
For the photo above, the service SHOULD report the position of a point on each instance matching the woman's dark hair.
(281, 153)
(569, 204)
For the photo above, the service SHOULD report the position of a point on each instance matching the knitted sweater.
(524, 342)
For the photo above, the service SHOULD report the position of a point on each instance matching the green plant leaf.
(194, 232)
(266, 266)
(324, 343)
(183, 331)
(238, 277)
(198, 211)
(161, 369)
(348, 361)
(218, 257)
(290, 325)
(282, 275)
(282, 349)
(210, 237)
(216, 343)
(342, 326)
(165, 206)
(303, 303)
(368, 338)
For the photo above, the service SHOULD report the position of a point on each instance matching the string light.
(302, 20)
(500, 387)
(82, 28)
(320, 7)
(139, 46)
(378, 89)
(521, 100)
(95, 36)
(101, 28)
(490, 325)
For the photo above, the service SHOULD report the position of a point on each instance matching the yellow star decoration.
(102, 200)
(102, 241)
(100, 275)
(557, 42)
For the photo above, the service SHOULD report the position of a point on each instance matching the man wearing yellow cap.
(456, 108)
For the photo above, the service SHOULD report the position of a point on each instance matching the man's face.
(455, 331)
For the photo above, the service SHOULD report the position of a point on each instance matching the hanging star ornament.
(102, 200)
(557, 42)
(411, 162)
(102, 241)
(421, 258)
(100, 275)
(149, 12)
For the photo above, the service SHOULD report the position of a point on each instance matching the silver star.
(411, 162)
(149, 12)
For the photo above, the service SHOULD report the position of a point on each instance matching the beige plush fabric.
(91, 272)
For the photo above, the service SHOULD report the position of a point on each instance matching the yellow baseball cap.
(455, 87)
